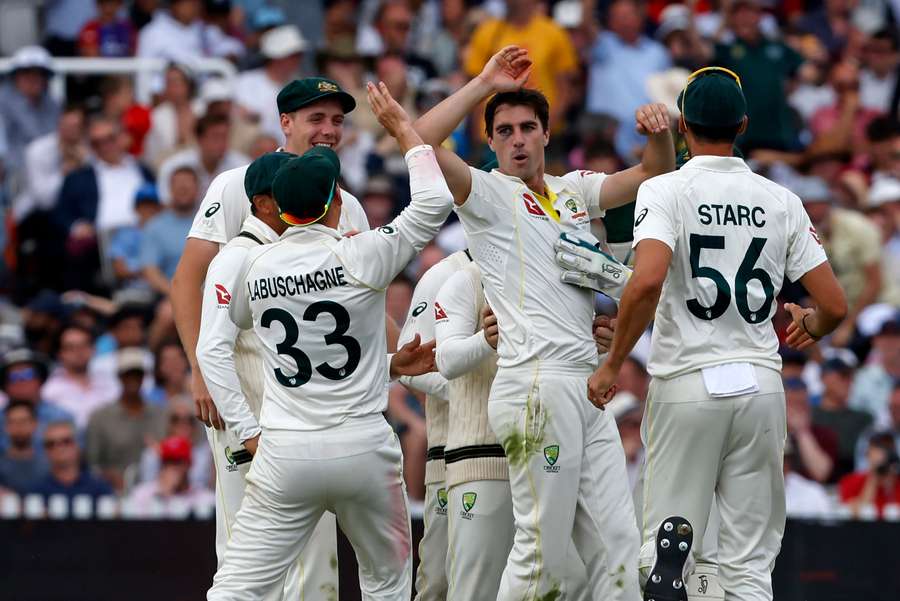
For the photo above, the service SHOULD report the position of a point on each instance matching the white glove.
(585, 264)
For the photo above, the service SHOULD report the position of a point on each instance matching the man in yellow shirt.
(551, 51)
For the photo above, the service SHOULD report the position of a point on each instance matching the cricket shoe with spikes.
(673, 547)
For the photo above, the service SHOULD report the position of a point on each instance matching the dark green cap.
(713, 99)
(302, 92)
(261, 172)
(305, 185)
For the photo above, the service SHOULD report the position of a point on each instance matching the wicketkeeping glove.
(585, 264)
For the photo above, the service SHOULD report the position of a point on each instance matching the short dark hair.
(15, 404)
(882, 129)
(79, 328)
(888, 34)
(715, 134)
(210, 120)
(522, 97)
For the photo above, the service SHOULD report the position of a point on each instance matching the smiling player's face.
(518, 139)
(319, 124)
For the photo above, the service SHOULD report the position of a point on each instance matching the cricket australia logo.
(572, 205)
(468, 502)
(232, 462)
(441, 508)
(551, 454)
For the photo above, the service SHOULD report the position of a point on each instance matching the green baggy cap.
(305, 185)
(713, 98)
(302, 92)
(261, 172)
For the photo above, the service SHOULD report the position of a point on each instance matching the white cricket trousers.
(568, 482)
(314, 575)
(729, 449)
(431, 576)
(354, 471)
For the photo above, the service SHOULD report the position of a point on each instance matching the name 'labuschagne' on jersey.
(292, 285)
(732, 215)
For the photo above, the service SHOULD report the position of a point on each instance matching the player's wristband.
(806, 329)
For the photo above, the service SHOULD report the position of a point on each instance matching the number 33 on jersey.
(734, 238)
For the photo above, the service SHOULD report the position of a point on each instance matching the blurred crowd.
(100, 184)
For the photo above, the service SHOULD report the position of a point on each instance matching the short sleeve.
(223, 210)
(655, 215)
(588, 185)
(805, 250)
(480, 209)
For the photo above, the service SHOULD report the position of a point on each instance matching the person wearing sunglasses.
(713, 245)
(316, 300)
(68, 474)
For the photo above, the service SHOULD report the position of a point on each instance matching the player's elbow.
(447, 368)
(647, 284)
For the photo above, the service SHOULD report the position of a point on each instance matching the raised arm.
(658, 158)
(507, 70)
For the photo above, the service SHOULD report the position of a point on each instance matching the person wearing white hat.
(257, 89)
(884, 210)
(26, 107)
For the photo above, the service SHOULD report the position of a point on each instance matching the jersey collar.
(717, 163)
(314, 231)
(255, 226)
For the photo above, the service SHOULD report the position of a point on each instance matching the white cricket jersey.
(421, 321)
(511, 239)
(316, 300)
(734, 237)
(226, 206)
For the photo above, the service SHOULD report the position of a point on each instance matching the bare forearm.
(157, 280)
(186, 301)
(636, 311)
(817, 462)
(659, 154)
(436, 125)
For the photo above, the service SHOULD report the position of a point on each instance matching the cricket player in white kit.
(566, 464)
(312, 115)
(325, 445)
(714, 243)
(431, 575)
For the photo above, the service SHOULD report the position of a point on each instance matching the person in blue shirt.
(125, 246)
(164, 235)
(22, 374)
(68, 475)
(20, 464)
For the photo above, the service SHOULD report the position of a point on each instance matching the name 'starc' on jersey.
(292, 285)
(739, 215)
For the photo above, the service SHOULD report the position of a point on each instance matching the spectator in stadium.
(71, 386)
(803, 498)
(843, 124)
(830, 23)
(20, 463)
(390, 34)
(443, 49)
(124, 249)
(853, 244)
(633, 378)
(884, 210)
(109, 34)
(878, 485)
(22, 373)
(874, 383)
(182, 424)
(835, 414)
(891, 426)
(126, 328)
(172, 121)
(620, 61)
(63, 20)
(48, 159)
(68, 475)
(172, 487)
(208, 158)
(406, 414)
(815, 447)
(549, 48)
(27, 109)
(171, 374)
(628, 414)
(257, 89)
(118, 432)
(878, 78)
(118, 104)
(163, 237)
(100, 196)
(883, 135)
(43, 318)
(766, 67)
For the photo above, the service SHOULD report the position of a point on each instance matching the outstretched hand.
(508, 70)
(414, 358)
(388, 111)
